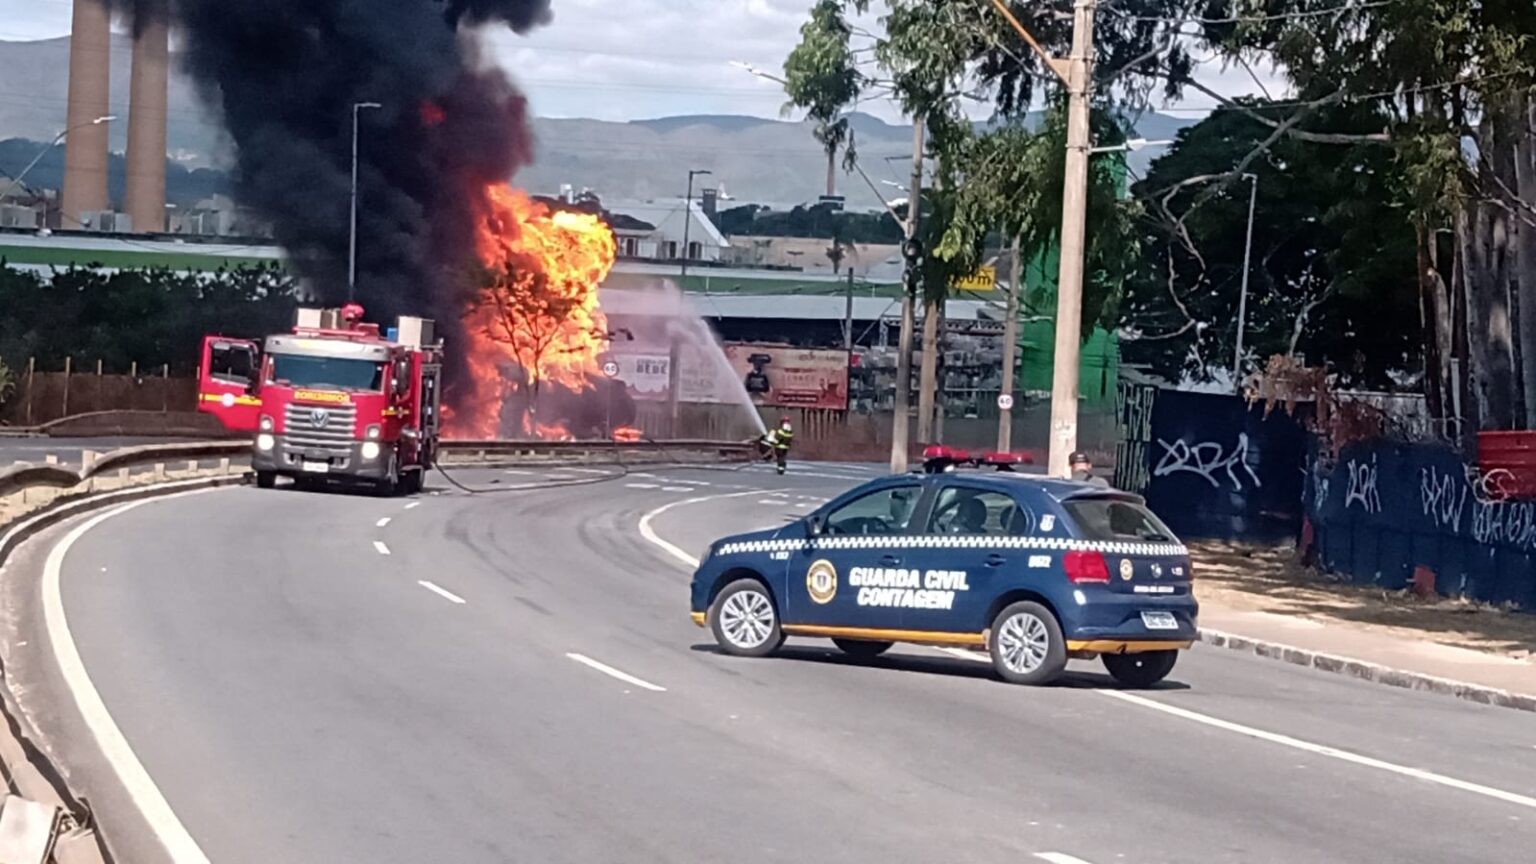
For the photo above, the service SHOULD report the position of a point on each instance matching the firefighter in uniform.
(775, 444)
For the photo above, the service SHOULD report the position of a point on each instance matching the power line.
(1347, 8)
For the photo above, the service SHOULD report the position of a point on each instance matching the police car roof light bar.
(940, 458)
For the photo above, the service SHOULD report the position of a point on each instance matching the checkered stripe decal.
(940, 541)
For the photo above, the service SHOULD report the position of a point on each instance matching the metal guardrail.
(458, 452)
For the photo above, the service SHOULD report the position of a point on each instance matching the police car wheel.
(744, 620)
(266, 479)
(862, 649)
(1140, 670)
(1027, 645)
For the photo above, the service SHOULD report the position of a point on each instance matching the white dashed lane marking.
(677, 489)
(413, 505)
(640, 485)
(379, 547)
(615, 673)
(1059, 858)
(381, 523)
(441, 592)
(1288, 741)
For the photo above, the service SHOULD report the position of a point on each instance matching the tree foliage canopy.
(1333, 258)
(149, 317)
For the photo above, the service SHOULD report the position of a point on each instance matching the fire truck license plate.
(317, 467)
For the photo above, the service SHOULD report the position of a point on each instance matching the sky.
(639, 59)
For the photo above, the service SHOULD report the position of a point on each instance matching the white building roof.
(667, 215)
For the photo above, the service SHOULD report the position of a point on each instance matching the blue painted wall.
(1383, 509)
(1211, 465)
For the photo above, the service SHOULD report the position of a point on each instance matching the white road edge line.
(614, 673)
(156, 811)
(1324, 750)
(441, 592)
(655, 539)
(1059, 858)
(381, 523)
(379, 547)
(1288, 741)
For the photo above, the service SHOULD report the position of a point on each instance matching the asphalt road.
(321, 678)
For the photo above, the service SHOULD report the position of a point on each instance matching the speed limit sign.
(611, 369)
(1005, 401)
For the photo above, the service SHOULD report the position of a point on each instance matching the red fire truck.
(334, 399)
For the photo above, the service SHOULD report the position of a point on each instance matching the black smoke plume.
(285, 75)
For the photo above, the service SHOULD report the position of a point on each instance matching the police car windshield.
(342, 373)
(1116, 519)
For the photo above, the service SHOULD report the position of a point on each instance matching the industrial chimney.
(85, 148)
(144, 196)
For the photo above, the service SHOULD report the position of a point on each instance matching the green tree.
(822, 76)
(1013, 185)
(1453, 81)
(1333, 255)
(151, 317)
(7, 381)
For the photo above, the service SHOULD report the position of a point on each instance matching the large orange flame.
(535, 320)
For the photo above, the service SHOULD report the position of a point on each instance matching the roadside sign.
(610, 368)
(984, 279)
(1005, 401)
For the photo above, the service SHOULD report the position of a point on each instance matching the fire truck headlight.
(370, 449)
(266, 423)
(265, 442)
(372, 433)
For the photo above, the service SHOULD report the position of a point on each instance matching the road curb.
(30, 771)
(1365, 671)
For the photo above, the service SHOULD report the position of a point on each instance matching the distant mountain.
(754, 158)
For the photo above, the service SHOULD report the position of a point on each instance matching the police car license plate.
(323, 467)
(1159, 621)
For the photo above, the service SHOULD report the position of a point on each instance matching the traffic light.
(912, 250)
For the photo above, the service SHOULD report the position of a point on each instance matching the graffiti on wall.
(1362, 485)
(1462, 526)
(1133, 417)
(1443, 497)
(1208, 459)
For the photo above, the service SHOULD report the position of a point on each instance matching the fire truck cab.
(333, 400)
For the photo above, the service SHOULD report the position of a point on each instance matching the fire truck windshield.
(344, 373)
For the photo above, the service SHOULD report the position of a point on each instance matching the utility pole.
(1242, 296)
(848, 315)
(1010, 348)
(1074, 225)
(352, 235)
(688, 218)
(911, 279)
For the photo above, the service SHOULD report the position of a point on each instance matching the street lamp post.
(57, 139)
(1242, 296)
(352, 234)
(688, 214)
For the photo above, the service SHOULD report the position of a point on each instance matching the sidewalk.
(1257, 599)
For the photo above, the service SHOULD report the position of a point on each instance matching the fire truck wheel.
(266, 479)
(414, 481)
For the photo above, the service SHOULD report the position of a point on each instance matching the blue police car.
(1031, 569)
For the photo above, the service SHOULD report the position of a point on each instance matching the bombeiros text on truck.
(335, 399)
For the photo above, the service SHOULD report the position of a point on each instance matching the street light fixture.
(688, 213)
(1133, 145)
(753, 70)
(1242, 297)
(64, 133)
(352, 236)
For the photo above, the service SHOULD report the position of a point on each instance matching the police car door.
(861, 539)
(969, 556)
